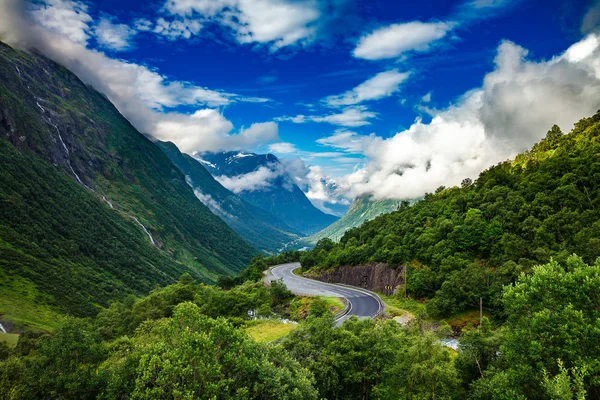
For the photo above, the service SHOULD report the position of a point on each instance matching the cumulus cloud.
(518, 102)
(278, 23)
(171, 29)
(282, 148)
(141, 94)
(113, 35)
(260, 179)
(67, 18)
(384, 84)
(353, 116)
(319, 188)
(393, 40)
(347, 141)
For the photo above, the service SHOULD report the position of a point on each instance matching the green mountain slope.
(92, 210)
(259, 228)
(463, 244)
(362, 209)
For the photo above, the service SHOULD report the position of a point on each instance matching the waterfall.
(145, 230)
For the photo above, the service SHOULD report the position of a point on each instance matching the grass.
(335, 303)
(269, 330)
(10, 338)
(20, 303)
(398, 305)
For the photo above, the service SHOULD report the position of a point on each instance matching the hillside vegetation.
(190, 340)
(460, 244)
(91, 210)
(362, 209)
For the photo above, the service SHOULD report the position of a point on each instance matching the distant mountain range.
(260, 179)
(261, 229)
(90, 209)
(362, 209)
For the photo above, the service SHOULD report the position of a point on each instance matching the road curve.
(362, 304)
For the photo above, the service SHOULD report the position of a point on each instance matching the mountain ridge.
(49, 116)
(261, 229)
(273, 191)
(362, 209)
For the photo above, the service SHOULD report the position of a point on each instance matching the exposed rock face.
(377, 277)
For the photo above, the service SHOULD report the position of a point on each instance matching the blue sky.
(350, 87)
(305, 74)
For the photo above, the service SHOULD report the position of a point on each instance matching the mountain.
(362, 209)
(260, 179)
(462, 245)
(91, 210)
(259, 228)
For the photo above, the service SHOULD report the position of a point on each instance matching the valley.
(299, 200)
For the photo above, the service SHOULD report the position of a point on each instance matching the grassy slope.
(269, 330)
(361, 210)
(63, 241)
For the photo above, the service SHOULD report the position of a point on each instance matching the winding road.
(362, 303)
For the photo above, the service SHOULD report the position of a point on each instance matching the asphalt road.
(362, 304)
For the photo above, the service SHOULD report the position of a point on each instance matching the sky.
(385, 98)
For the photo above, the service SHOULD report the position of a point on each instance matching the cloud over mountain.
(518, 102)
(61, 29)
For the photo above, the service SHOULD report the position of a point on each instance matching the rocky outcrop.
(381, 278)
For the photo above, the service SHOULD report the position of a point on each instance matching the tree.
(554, 314)
(479, 348)
(193, 356)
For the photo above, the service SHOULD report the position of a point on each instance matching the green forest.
(187, 340)
(99, 311)
(460, 244)
(510, 237)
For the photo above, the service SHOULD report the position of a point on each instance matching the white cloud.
(278, 23)
(319, 188)
(208, 130)
(350, 117)
(394, 40)
(384, 84)
(177, 28)
(114, 36)
(141, 94)
(345, 140)
(67, 18)
(518, 102)
(260, 179)
(212, 204)
(282, 148)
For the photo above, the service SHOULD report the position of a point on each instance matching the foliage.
(550, 342)
(362, 209)
(365, 359)
(186, 340)
(461, 244)
(63, 238)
